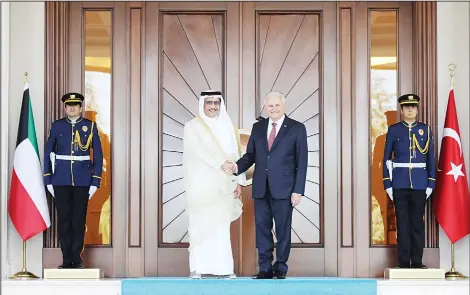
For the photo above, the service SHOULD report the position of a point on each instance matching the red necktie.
(272, 136)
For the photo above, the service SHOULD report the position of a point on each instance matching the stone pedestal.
(413, 273)
(73, 273)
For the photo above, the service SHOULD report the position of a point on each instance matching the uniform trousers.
(72, 204)
(409, 211)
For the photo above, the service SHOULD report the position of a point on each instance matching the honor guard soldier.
(71, 176)
(409, 178)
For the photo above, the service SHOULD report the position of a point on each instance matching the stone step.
(414, 273)
(73, 273)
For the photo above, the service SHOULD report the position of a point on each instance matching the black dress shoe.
(403, 266)
(263, 275)
(418, 265)
(280, 274)
(65, 265)
(78, 265)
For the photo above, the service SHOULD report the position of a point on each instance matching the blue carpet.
(248, 286)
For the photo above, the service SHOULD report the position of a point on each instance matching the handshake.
(230, 167)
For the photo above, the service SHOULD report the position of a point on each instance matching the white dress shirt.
(278, 126)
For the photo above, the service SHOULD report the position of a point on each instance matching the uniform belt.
(54, 157)
(409, 165)
(391, 165)
(72, 158)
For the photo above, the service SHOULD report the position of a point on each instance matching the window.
(383, 113)
(98, 79)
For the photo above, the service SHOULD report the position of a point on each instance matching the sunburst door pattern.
(192, 62)
(288, 51)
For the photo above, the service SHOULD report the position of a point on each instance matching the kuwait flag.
(27, 205)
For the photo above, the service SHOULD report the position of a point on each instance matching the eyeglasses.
(212, 102)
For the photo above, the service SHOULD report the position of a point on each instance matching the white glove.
(50, 189)
(428, 192)
(390, 193)
(92, 191)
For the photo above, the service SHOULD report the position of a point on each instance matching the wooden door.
(142, 65)
(246, 50)
(376, 57)
(290, 48)
(190, 47)
(86, 47)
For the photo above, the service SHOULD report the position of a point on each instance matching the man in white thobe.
(211, 143)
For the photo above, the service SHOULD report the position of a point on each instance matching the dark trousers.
(71, 203)
(266, 209)
(409, 211)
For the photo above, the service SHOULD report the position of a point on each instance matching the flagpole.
(24, 273)
(453, 274)
(452, 67)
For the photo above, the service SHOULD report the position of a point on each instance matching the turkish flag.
(451, 198)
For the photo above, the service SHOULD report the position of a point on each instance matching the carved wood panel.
(57, 56)
(294, 54)
(289, 62)
(192, 61)
(425, 75)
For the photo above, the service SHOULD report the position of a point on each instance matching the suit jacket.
(284, 167)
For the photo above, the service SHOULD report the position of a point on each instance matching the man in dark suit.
(278, 146)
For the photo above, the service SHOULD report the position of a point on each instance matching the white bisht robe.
(211, 204)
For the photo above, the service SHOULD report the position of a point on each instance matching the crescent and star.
(456, 170)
